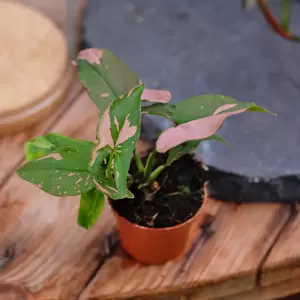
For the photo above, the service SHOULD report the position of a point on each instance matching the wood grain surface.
(283, 263)
(223, 261)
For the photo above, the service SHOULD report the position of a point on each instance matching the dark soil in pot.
(174, 197)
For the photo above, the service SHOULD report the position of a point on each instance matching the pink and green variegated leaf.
(205, 105)
(104, 76)
(125, 120)
(201, 128)
(119, 130)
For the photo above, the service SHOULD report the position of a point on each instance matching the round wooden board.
(33, 57)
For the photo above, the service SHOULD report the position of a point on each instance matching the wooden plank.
(12, 146)
(283, 263)
(283, 289)
(44, 254)
(221, 263)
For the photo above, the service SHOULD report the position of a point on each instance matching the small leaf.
(104, 76)
(108, 187)
(38, 147)
(201, 128)
(190, 146)
(91, 206)
(50, 143)
(180, 150)
(98, 157)
(160, 109)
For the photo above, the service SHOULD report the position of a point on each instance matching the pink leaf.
(194, 130)
(160, 96)
(92, 55)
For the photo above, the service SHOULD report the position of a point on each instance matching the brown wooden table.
(247, 251)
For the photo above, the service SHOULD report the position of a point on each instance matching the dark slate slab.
(193, 47)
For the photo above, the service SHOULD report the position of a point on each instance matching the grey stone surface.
(193, 47)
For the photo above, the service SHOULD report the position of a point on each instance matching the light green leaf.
(91, 206)
(104, 76)
(50, 143)
(205, 105)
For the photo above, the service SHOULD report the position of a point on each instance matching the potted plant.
(155, 198)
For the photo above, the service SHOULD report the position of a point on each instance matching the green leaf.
(160, 109)
(64, 173)
(91, 206)
(205, 105)
(104, 76)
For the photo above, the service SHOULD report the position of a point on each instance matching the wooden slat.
(283, 263)
(283, 289)
(220, 264)
(12, 146)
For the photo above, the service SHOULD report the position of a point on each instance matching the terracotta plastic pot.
(152, 246)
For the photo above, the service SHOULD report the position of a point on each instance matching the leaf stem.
(155, 173)
(149, 163)
(139, 162)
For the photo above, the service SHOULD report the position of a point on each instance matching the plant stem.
(155, 173)
(285, 18)
(149, 163)
(139, 162)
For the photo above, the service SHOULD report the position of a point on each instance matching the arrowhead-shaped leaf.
(119, 129)
(104, 76)
(91, 206)
(200, 128)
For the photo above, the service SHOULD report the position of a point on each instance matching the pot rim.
(157, 229)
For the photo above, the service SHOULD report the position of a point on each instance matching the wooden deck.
(244, 251)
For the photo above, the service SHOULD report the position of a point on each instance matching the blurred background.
(193, 47)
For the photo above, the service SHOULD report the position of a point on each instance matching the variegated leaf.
(119, 129)
(205, 105)
(104, 76)
(201, 128)
(60, 174)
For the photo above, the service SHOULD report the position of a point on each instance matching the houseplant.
(154, 198)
